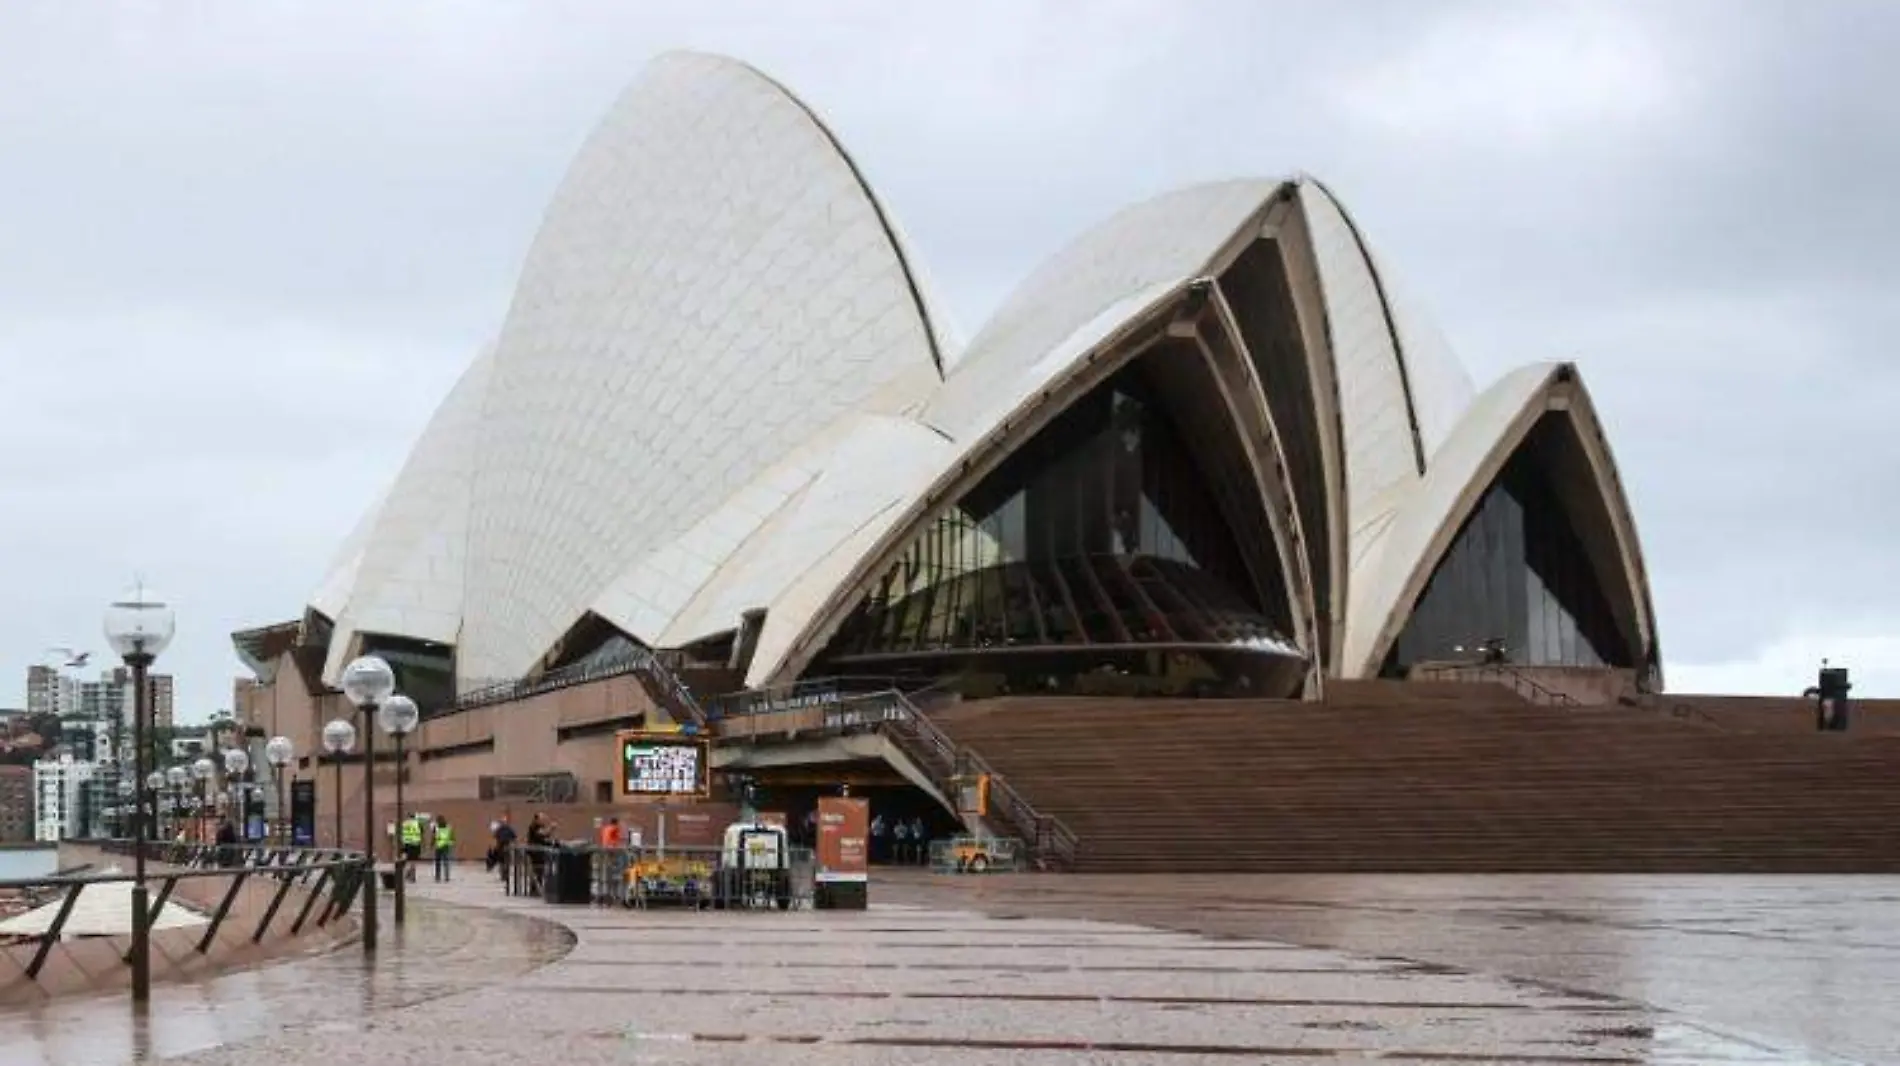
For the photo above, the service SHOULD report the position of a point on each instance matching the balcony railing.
(661, 681)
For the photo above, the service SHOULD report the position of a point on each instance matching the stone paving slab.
(1180, 985)
(1808, 963)
(933, 980)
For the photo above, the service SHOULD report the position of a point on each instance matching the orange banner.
(844, 824)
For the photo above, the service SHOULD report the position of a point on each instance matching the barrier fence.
(978, 855)
(332, 881)
(694, 877)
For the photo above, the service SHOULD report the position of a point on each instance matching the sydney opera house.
(726, 409)
(726, 445)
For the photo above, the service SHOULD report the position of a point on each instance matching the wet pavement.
(442, 951)
(1126, 971)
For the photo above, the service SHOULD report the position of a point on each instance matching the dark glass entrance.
(1519, 573)
(1102, 530)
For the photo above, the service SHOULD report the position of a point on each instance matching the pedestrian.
(503, 846)
(444, 848)
(411, 831)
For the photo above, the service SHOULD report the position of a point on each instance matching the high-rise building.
(49, 691)
(60, 798)
(16, 804)
(107, 698)
(160, 687)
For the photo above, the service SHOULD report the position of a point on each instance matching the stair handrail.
(1521, 683)
(648, 664)
(638, 660)
(1053, 841)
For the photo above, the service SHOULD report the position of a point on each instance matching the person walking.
(411, 845)
(444, 848)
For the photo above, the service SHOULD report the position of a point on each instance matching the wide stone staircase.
(1436, 777)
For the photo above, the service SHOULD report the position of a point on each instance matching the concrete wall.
(449, 755)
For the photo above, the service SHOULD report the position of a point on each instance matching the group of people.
(900, 842)
(414, 831)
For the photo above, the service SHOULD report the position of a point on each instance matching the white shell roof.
(721, 387)
(712, 286)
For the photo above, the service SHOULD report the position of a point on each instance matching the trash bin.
(569, 877)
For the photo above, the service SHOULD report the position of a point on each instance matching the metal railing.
(332, 881)
(1509, 676)
(661, 682)
(825, 709)
(696, 877)
(797, 695)
(949, 764)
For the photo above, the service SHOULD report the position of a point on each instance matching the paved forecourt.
(904, 984)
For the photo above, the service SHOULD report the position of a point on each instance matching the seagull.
(74, 659)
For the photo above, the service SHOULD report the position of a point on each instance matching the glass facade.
(1257, 288)
(1100, 530)
(425, 671)
(1517, 573)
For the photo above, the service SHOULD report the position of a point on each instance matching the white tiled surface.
(1152, 245)
(1381, 464)
(711, 287)
(1379, 582)
(715, 391)
(409, 577)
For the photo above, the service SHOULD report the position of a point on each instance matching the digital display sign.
(664, 764)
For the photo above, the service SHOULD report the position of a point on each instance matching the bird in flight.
(73, 658)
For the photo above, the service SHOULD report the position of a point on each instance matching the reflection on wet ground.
(1806, 963)
(1125, 971)
(443, 950)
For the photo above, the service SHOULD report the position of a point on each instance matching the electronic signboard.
(664, 764)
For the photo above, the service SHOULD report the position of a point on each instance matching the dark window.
(1257, 289)
(1101, 529)
(1518, 573)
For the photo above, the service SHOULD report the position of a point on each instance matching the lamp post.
(121, 826)
(154, 787)
(339, 736)
(204, 770)
(398, 715)
(138, 625)
(177, 776)
(235, 763)
(367, 682)
(278, 751)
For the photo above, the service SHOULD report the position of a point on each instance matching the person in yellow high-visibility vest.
(411, 845)
(444, 848)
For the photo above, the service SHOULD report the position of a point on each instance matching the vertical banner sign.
(844, 824)
(303, 813)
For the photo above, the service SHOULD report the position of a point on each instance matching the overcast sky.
(246, 247)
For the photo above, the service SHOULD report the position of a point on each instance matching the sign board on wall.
(844, 824)
(303, 813)
(663, 764)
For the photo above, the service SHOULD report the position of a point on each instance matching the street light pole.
(367, 682)
(339, 736)
(204, 769)
(278, 751)
(154, 788)
(398, 715)
(138, 625)
(176, 777)
(236, 764)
